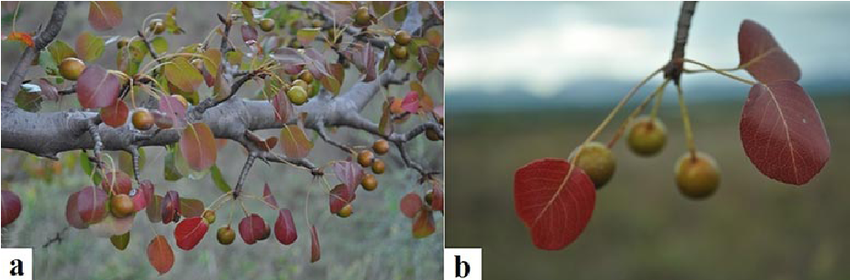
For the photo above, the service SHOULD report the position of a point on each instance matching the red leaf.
(11, 207)
(423, 224)
(197, 145)
(117, 181)
(249, 33)
(284, 227)
(783, 134)
(411, 102)
(556, 210)
(252, 228)
(115, 115)
(282, 107)
(160, 255)
(189, 232)
(72, 213)
(170, 206)
(139, 201)
(91, 204)
(410, 204)
(147, 189)
(315, 251)
(268, 196)
(23, 37)
(174, 110)
(340, 196)
(437, 203)
(349, 173)
(104, 15)
(96, 88)
(755, 41)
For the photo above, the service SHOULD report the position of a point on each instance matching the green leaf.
(160, 45)
(30, 102)
(60, 50)
(89, 47)
(218, 179)
(45, 59)
(400, 14)
(182, 74)
(88, 168)
(330, 83)
(138, 49)
(171, 173)
(307, 35)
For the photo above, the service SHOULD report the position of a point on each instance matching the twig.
(673, 69)
(320, 129)
(134, 151)
(243, 175)
(56, 239)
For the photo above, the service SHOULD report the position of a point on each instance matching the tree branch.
(673, 69)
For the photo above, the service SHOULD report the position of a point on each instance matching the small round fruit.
(142, 119)
(597, 161)
(365, 158)
(399, 52)
(300, 83)
(267, 24)
(156, 26)
(369, 182)
(381, 147)
(209, 216)
(306, 76)
(346, 211)
(297, 95)
(11, 207)
(429, 197)
(362, 17)
(122, 205)
(432, 134)
(122, 43)
(70, 68)
(697, 177)
(647, 136)
(378, 166)
(402, 37)
(266, 232)
(182, 100)
(225, 235)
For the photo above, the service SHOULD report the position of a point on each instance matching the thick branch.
(673, 70)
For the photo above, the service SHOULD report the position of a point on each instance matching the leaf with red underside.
(197, 145)
(439, 198)
(104, 15)
(295, 142)
(282, 107)
(425, 101)
(96, 88)
(115, 115)
(169, 207)
(249, 33)
(191, 207)
(410, 103)
(72, 214)
(423, 224)
(189, 232)
(117, 181)
(410, 204)
(139, 202)
(783, 134)
(556, 210)
(262, 144)
(340, 196)
(284, 227)
(252, 228)
(173, 110)
(755, 41)
(91, 204)
(349, 173)
(160, 255)
(315, 250)
(268, 196)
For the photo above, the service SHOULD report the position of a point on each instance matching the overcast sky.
(545, 46)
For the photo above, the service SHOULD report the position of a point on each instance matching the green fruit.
(297, 95)
(597, 161)
(399, 52)
(346, 211)
(267, 24)
(71, 68)
(209, 216)
(306, 76)
(402, 37)
(225, 235)
(647, 137)
(362, 17)
(697, 177)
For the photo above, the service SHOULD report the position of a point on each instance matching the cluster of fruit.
(696, 174)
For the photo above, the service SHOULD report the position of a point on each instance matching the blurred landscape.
(642, 228)
(374, 243)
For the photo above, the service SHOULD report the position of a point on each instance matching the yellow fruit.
(267, 24)
(225, 235)
(697, 177)
(362, 17)
(365, 158)
(306, 76)
(378, 166)
(402, 37)
(297, 95)
(70, 68)
(156, 26)
(597, 161)
(399, 52)
(369, 182)
(381, 147)
(122, 205)
(346, 211)
(209, 216)
(142, 119)
(647, 137)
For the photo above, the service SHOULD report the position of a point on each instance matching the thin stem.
(721, 72)
(686, 120)
(660, 94)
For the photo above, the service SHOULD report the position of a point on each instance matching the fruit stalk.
(686, 121)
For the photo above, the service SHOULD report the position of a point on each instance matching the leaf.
(556, 210)
(365, 60)
(160, 255)
(115, 115)
(282, 107)
(774, 64)
(60, 50)
(154, 209)
(112, 226)
(434, 37)
(170, 172)
(197, 146)
(138, 49)
(170, 207)
(91, 204)
(120, 242)
(348, 172)
(331, 84)
(160, 45)
(72, 214)
(268, 196)
(783, 134)
(139, 201)
(315, 250)
(22, 37)
(249, 34)
(295, 142)
(439, 199)
(89, 47)
(190, 208)
(147, 188)
(189, 232)
(46, 61)
(212, 61)
(173, 110)
(384, 124)
(410, 103)
(96, 88)
(252, 228)
(171, 22)
(218, 179)
(284, 227)
(183, 74)
(340, 196)
(117, 181)
(307, 35)
(104, 15)
(423, 224)
(410, 204)
(429, 57)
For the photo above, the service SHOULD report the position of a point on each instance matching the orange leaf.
(160, 255)
(21, 37)
(197, 145)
